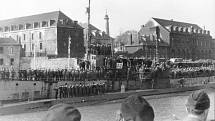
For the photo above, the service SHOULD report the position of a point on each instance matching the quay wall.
(33, 90)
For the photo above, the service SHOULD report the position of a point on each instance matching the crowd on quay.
(113, 68)
(79, 90)
(52, 75)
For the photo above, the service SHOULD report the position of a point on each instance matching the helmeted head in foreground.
(198, 101)
(62, 112)
(198, 104)
(136, 108)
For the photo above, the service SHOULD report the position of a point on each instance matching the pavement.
(42, 105)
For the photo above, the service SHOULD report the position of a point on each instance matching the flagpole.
(34, 56)
(156, 42)
(69, 44)
(88, 33)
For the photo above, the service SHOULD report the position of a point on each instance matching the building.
(45, 34)
(10, 51)
(140, 46)
(184, 40)
(97, 36)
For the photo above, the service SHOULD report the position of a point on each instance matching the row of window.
(28, 26)
(185, 29)
(11, 61)
(2, 50)
(18, 38)
(32, 46)
(202, 43)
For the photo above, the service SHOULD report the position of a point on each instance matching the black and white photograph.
(107, 60)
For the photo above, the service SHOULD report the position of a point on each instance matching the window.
(11, 50)
(28, 26)
(6, 28)
(44, 24)
(36, 25)
(21, 27)
(24, 47)
(23, 36)
(1, 50)
(1, 61)
(61, 21)
(41, 46)
(19, 39)
(40, 35)
(52, 22)
(32, 36)
(12, 61)
(32, 46)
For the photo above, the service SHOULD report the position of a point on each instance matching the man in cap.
(62, 112)
(197, 105)
(136, 108)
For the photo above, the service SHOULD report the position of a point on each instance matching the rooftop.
(55, 15)
(8, 41)
(164, 23)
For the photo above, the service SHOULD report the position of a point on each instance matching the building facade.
(184, 40)
(10, 51)
(143, 46)
(45, 34)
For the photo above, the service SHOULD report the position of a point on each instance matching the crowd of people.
(52, 75)
(79, 90)
(112, 69)
(192, 72)
(136, 108)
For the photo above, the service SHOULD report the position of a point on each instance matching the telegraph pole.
(69, 44)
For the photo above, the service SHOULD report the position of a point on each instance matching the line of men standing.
(79, 90)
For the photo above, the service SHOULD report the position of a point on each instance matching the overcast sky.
(124, 14)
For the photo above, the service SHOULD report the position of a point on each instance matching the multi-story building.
(45, 34)
(184, 40)
(10, 51)
(97, 36)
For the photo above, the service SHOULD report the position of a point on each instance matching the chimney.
(131, 39)
(75, 22)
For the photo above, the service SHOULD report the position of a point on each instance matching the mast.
(157, 42)
(88, 33)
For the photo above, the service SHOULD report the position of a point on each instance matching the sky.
(124, 14)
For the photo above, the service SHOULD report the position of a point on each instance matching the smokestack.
(131, 39)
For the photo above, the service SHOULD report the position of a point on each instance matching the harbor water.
(167, 107)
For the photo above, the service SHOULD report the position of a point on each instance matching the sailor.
(56, 91)
(61, 91)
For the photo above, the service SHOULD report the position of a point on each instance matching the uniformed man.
(56, 91)
(61, 91)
